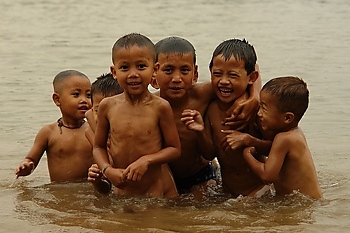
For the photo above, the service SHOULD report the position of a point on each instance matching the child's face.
(270, 118)
(96, 99)
(75, 97)
(176, 74)
(229, 78)
(133, 68)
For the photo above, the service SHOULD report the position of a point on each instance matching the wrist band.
(105, 168)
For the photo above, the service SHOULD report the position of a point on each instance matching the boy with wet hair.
(69, 153)
(233, 72)
(289, 166)
(176, 79)
(139, 125)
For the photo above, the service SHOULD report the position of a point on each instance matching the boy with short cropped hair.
(233, 72)
(69, 153)
(289, 166)
(141, 126)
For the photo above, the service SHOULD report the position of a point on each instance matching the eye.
(123, 67)
(217, 73)
(76, 94)
(88, 95)
(168, 70)
(185, 70)
(233, 75)
(141, 66)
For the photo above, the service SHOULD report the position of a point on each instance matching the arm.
(34, 155)
(268, 171)
(235, 140)
(194, 121)
(170, 152)
(100, 147)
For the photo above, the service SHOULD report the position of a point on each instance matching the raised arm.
(194, 121)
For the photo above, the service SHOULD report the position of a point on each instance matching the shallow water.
(310, 39)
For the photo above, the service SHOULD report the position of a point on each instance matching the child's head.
(232, 69)
(284, 101)
(104, 86)
(72, 93)
(133, 57)
(177, 69)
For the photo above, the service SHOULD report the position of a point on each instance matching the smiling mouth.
(134, 83)
(225, 91)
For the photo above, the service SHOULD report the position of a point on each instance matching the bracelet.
(105, 168)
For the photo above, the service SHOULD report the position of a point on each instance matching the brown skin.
(67, 149)
(177, 80)
(289, 165)
(230, 82)
(144, 136)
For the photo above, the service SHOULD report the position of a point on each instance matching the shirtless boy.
(232, 72)
(176, 79)
(141, 126)
(69, 153)
(289, 166)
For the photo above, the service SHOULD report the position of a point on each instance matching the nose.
(259, 113)
(177, 77)
(133, 73)
(224, 80)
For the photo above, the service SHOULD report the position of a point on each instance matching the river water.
(38, 39)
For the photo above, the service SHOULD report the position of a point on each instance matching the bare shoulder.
(160, 102)
(203, 88)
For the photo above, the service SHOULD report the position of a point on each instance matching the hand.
(94, 174)
(136, 170)
(233, 140)
(193, 120)
(26, 168)
(243, 113)
(115, 175)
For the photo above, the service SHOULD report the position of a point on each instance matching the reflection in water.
(77, 204)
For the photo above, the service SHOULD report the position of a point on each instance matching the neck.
(136, 99)
(69, 125)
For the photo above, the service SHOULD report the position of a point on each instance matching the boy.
(142, 130)
(289, 166)
(106, 86)
(232, 69)
(64, 141)
(176, 78)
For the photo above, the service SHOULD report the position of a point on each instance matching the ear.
(253, 77)
(56, 99)
(195, 76)
(154, 82)
(112, 69)
(289, 117)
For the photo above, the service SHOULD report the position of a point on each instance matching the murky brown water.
(38, 39)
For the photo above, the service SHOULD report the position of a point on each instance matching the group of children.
(166, 143)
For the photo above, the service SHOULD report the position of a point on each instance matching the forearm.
(262, 146)
(100, 157)
(205, 145)
(165, 155)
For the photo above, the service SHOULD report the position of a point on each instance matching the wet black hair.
(240, 49)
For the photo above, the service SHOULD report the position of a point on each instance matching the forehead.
(176, 58)
(133, 53)
(268, 98)
(220, 60)
(76, 81)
